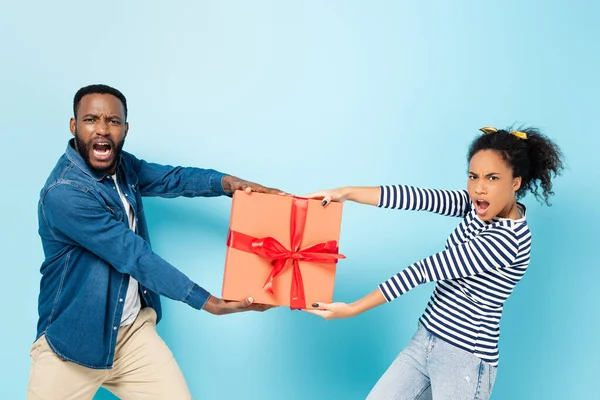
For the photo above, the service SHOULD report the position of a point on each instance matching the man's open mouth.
(102, 150)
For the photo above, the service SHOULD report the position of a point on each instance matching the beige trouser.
(144, 368)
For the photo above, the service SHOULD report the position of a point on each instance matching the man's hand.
(217, 306)
(232, 183)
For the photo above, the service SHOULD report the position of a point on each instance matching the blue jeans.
(432, 369)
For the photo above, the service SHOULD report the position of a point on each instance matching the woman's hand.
(339, 195)
(343, 310)
(358, 194)
(333, 310)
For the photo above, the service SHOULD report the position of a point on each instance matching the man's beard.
(84, 150)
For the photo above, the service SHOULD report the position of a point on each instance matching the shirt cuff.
(386, 292)
(381, 194)
(216, 184)
(196, 297)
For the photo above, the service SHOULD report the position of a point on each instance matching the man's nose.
(102, 127)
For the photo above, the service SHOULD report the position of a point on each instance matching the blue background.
(305, 96)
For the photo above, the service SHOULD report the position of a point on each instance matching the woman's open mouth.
(481, 206)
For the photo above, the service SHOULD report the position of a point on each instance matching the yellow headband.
(489, 129)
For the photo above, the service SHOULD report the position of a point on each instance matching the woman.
(454, 353)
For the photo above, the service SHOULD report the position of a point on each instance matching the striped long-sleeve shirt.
(475, 274)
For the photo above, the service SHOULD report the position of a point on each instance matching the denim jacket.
(90, 252)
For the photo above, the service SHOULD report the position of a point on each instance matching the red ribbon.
(271, 248)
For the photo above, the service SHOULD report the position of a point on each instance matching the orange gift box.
(281, 250)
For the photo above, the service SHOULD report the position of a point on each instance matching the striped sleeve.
(493, 249)
(454, 203)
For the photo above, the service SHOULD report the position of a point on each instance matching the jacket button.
(114, 328)
(120, 300)
(145, 291)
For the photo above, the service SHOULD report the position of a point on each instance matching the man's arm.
(232, 183)
(83, 221)
(168, 181)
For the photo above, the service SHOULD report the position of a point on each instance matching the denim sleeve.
(168, 181)
(77, 217)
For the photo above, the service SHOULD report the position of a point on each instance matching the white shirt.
(132, 299)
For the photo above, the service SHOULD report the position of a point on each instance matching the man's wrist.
(212, 305)
(227, 184)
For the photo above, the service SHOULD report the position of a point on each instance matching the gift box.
(281, 250)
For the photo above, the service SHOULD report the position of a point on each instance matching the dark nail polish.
(315, 304)
(324, 202)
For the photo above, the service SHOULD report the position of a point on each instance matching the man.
(99, 294)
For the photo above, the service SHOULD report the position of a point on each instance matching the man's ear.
(73, 126)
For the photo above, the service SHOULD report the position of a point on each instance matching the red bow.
(271, 248)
